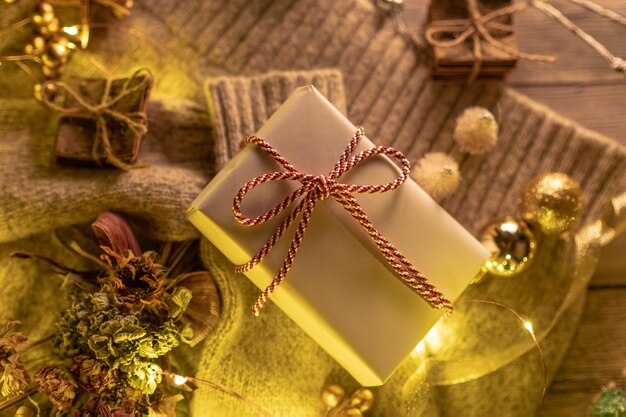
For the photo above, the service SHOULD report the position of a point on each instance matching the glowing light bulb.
(180, 380)
(71, 30)
(529, 326)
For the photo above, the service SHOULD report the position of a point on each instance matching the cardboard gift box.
(449, 18)
(340, 289)
(78, 130)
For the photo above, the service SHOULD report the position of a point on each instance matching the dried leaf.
(203, 311)
(113, 231)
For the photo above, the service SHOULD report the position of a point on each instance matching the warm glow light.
(180, 380)
(434, 339)
(71, 30)
(419, 349)
(529, 326)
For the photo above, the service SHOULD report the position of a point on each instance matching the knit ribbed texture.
(387, 90)
(242, 104)
(530, 143)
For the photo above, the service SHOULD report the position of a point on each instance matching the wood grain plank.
(598, 107)
(568, 404)
(538, 33)
(611, 270)
(597, 354)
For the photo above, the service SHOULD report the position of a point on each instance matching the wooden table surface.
(581, 86)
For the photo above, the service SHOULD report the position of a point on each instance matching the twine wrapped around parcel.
(479, 27)
(103, 111)
(316, 188)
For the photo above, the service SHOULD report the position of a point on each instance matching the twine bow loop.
(105, 110)
(316, 188)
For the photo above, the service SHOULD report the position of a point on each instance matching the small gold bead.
(39, 43)
(43, 7)
(37, 91)
(332, 395)
(58, 51)
(363, 399)
(53, 26)
(48, 17)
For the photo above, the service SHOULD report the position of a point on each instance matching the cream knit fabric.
(386, 88)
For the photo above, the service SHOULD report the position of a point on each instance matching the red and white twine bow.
(317, 188)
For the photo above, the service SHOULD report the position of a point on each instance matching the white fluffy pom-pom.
(438, 174)
(476, 130)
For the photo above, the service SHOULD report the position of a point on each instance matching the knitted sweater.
(381, 80)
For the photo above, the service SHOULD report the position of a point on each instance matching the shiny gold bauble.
(332, 395)
(552, 202)
(512, 245)
(363, 399)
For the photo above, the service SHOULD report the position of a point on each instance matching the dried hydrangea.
(121, 323)
(101, 326)
(438, 174)
(476, 130)
(13, 376)
(58, 385)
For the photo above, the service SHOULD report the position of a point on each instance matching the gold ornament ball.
(332, 395)
(363, 399)
(512, 245)
(552, 202)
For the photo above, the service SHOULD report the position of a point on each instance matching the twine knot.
(325, 186)
(104, 110)
(316, 188)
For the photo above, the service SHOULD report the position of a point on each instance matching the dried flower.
(438, 174)
(93, 375)
(476, 130)
(58, 385)
(136, 280)
(13, 376)
(145, 377)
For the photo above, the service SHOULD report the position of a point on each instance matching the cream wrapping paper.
(340, 290)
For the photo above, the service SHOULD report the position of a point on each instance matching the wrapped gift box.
(77, 132)
(456, 62)
(340, 290)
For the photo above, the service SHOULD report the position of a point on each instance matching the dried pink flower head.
(58, 386)
(476, 130)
